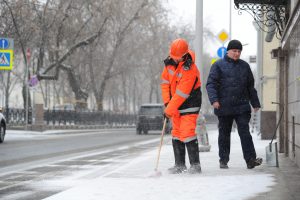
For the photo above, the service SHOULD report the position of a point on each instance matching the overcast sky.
(216, 18)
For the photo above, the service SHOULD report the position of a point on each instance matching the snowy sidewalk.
(132, 180)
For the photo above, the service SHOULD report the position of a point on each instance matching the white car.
(2, 127)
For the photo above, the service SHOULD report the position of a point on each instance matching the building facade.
(284, 83)
(288, 58)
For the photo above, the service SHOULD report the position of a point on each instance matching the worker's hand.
(216, 105)
(255, 109)
(167, 116)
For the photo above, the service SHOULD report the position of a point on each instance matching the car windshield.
(151, 110)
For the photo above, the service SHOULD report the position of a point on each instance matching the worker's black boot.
(179, 154)
(193, 151)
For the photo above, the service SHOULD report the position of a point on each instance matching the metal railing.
(88, 118)
(65, 117)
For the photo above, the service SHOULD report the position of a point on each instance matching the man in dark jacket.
(230, 88)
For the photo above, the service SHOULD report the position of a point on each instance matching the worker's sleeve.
(165, 86)
(184, 87)
(213, 83)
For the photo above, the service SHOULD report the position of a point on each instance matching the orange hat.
(178, 48)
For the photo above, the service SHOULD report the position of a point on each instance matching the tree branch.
(73, 48)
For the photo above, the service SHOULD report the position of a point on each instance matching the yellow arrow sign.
(213, 60)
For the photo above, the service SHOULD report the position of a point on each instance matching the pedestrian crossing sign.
(6, 59)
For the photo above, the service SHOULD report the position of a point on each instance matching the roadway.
(29, 158)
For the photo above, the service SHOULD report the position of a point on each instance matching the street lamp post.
(199, 36)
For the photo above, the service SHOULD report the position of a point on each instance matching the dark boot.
(193, 151)
(223, 164)
(179, 154)
(254, 162)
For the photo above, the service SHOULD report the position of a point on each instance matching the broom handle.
(161, 142)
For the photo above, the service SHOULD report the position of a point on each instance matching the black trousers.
(225, 125)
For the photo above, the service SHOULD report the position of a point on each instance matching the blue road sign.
(6, 59)
(4, 44)
(221, 52)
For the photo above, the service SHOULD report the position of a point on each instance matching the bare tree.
(120, 28)
(21, 28)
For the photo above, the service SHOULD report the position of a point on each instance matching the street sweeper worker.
(181, 93)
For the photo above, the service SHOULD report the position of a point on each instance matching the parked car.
(150, 117)
(2, 127)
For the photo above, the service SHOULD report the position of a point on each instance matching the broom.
(156, 172)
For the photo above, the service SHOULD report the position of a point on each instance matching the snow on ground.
(134, 179)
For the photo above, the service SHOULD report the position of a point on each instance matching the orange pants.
(184, 127)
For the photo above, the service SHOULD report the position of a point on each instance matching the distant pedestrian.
(181, 92)
(230, 88)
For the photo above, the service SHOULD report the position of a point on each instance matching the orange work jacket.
(181, 86)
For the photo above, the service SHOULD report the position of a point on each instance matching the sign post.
(223, 37)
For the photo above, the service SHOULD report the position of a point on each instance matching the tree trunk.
(157, 93)
(151, 91)
(100, 96)
(24, 93)
(80, 96)
(124, 91)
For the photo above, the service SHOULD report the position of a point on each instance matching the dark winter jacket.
(231, 83)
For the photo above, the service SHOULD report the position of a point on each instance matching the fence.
(66, 117)
(88, 118)
(16, 116)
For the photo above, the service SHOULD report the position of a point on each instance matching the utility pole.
(199, 36)
(230, 19)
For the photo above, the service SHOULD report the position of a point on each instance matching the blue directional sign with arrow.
(221, 52)
(4, 43)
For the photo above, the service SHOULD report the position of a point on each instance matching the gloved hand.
(166, 117)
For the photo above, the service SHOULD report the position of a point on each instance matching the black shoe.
(223, 165)
(254, 162)
(177, 169)
(195, 169)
